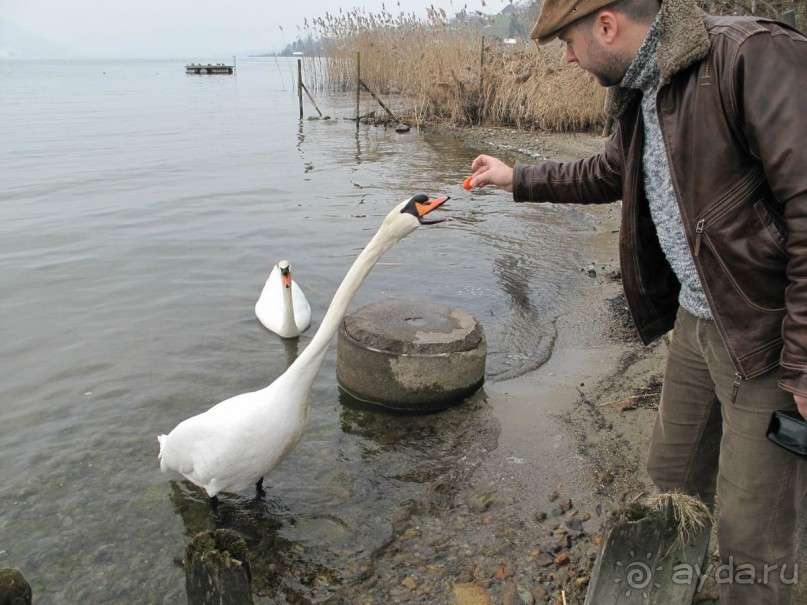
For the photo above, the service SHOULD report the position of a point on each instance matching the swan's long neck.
(309, 362)
(288, 310)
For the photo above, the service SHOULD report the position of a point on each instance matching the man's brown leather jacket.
(733, 113)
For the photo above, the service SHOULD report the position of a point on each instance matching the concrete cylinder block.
(410, 355)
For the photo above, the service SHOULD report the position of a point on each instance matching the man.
(709, 158)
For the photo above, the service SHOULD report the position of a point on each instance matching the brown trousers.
(710, 440)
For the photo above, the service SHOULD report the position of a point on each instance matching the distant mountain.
(17, 43)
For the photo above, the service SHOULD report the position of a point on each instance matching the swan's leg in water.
(259, 491)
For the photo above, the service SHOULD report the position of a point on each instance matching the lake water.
(142, 210)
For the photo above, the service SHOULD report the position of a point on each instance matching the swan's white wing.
(302, 310)
(238, 441)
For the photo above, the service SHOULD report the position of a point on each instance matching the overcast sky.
(190, 28)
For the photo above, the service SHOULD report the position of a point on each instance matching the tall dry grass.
(435, 70)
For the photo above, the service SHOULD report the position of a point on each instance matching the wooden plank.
(641, 563)
(672, 589)
(623, 573)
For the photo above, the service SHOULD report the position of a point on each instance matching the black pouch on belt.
(788, 430)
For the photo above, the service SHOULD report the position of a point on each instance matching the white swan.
(230, 447)
(282, 307)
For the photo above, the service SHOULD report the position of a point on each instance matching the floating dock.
(209, 68)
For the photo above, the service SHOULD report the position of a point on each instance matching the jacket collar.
(683, 41)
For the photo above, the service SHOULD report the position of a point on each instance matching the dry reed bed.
(438, 71)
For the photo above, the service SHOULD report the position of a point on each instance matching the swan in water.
(230, 447)
(282, 306)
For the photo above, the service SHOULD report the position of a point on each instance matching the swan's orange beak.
(423, 208)
(285, 277)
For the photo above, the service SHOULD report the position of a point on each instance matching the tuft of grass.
(689, 516)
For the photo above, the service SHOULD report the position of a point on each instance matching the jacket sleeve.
(595, 179)
(776, 130)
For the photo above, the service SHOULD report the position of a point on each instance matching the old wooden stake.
(358, 86)
(384, 107)
(638, 561)
(217, 569)
(300, 85)
(314, 103)
(14, 588)
(481, 83)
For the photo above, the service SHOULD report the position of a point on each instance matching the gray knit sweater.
(643, 75)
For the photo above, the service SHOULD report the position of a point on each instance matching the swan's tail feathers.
(161, 439)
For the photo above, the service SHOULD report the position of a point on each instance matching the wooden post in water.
(217, 569)
(310, 98)
(358, 86)
(300, 85)
(14, 588)
(481, 83)
(379, 101)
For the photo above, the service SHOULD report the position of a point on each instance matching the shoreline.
(595, 458)
(597, 357)
(527, 522)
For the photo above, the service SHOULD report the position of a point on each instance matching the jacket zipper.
(698, 233)
(737, 381)
(726, 203)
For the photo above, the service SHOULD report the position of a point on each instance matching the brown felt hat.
(557, 14)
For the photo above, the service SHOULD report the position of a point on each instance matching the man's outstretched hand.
(488, 170)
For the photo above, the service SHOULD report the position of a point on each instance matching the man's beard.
(609, 67)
